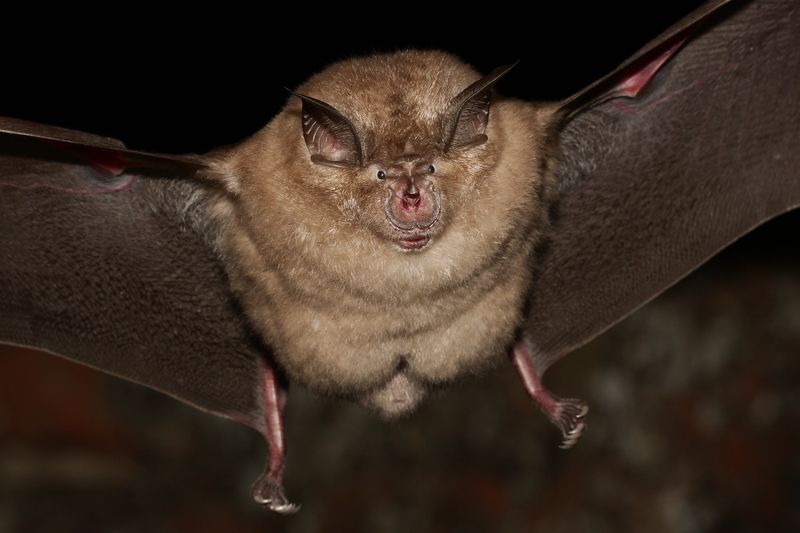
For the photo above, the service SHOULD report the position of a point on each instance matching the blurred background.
(695, 399)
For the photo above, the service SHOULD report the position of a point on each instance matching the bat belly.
(387, 358)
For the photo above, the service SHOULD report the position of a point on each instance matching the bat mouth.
(414, 242)
(413, 235)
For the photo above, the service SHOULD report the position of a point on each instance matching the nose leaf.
(411, 196)
(412, 203)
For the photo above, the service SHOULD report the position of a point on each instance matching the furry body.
(311, 255)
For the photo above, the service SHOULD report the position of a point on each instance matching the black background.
(173, 85)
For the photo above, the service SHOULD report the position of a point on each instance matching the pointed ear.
(469, 112)
(331, 138)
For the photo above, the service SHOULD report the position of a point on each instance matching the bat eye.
(381, 175)
(431, 169)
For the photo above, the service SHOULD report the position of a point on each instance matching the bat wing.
(665, 162)
(108, 267)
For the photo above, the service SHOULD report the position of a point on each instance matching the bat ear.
(329, 136)
(469, 112)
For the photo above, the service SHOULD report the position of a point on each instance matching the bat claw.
(568, 415)
(284, 508)
(269, 492)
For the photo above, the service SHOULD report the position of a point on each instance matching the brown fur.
(309, 249)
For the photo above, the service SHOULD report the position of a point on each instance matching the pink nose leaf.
(411, 200)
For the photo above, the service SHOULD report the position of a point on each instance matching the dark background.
(694, 399)
(176, 85)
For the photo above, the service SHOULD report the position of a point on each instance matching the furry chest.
(348, 346)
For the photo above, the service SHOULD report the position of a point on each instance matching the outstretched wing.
(657, 178)
(110, 268)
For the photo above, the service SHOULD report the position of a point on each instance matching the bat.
(632, 183)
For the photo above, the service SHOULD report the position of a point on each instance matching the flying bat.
(400, 224)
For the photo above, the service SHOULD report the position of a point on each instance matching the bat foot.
(568, 415)
(269, 492)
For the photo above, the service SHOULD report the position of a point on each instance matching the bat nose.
(411, 192)
(405, 188)
(411, 202)
(411, 195)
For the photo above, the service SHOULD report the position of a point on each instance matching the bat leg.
(566, 413)
(268, 489)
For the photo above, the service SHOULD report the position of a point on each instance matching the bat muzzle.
(412, 205)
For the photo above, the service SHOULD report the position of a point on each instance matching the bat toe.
(569, 417)
(269, 492)
(283, 508)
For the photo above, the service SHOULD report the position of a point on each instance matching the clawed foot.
(567, 415)
(269, 491)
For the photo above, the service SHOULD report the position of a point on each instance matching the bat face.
(401, 212)
(404, 156)
(399, 198)
(385, 177)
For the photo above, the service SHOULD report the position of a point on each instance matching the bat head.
(402, 148)
(393, 174)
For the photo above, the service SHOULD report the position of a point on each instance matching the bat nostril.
(411, 199)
